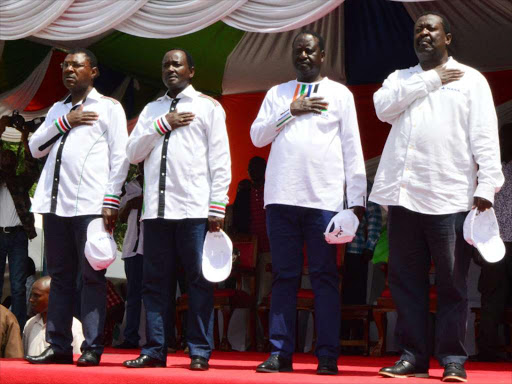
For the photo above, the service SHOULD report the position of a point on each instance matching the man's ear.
(448, 38)
(95, 72)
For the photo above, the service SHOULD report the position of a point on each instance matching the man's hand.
(301, 106)
(359, 212)
(448, 75)
(215, 223)
(3, 124)
(179, 119)
(481, 204)
(80, 117)
(109, 218)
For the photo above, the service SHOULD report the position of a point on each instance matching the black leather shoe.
(144, 361)
(126, 345)
(50, 357)
(275, 363)
(454, 372)
(89, 358)
(198, 363)
(403, 369)
(327, 366)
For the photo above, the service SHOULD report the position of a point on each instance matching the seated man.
(10, 339)
(34, 334)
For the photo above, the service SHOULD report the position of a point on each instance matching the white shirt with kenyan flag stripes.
(87, 164)
(187, 171)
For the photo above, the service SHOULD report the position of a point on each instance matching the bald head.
(43, 283)
(39, 295)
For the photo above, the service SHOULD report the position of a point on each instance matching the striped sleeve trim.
(111, 201)
(162, 126)
(62, 124)
(284, 118)
(217, 209)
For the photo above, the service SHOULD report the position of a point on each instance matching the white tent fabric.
(162, 19)
(279, 15)
(19, 97)
(468, 20)
(262, 54)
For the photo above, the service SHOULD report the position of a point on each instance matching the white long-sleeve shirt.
(187, 170)
(312, 156)
(86, 165)
(443, 147)
(133, 243)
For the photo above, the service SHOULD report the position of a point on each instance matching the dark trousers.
(164, 242)
(133, 269)
(65, 239)
(415, 241)
(355, 279)
(495, 285)
(288, 228)
(15, 246)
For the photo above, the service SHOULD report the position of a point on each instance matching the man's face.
(38, 298)
(176, 74)
(77, 73)
(430, 38)
(306, 55)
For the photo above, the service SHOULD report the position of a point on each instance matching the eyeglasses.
(73, 64)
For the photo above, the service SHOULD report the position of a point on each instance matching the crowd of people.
(441, 160)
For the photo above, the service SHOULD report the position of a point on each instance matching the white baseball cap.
(100, 248)
(481, 230)
(345, 227)
(217, 256)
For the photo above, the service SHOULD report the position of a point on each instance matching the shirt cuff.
(162, 126)
(62, 124)
(431, 79)
(486, 191)
(283, 119)
(217, 209)
(111, 201)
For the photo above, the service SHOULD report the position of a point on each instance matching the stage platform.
(230, 367)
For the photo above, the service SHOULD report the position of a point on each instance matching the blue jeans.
(415, 241)
(133, 269)
(164, 242)
(15, 246)
(65, 239)
(289, 227)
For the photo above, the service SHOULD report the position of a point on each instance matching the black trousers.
(415, 241)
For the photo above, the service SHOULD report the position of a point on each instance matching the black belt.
(11, 229)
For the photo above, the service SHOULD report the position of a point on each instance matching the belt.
(11, 229)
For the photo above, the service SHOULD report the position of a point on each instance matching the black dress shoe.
(403, 369)
(89, 359)
(454, 372)
(144, 361)
(198, 363)
(327, 366)
(126, 345)
(50, 357)
(275, 363)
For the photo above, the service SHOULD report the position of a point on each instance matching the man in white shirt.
(441, 159)
(316, 151)
(187, 171)
(34, 333)
(85, 139)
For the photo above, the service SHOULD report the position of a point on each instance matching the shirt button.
(161, 191)
(53, 197)
(56, 179)
(163, 174)
(163, 157)
(166, 140)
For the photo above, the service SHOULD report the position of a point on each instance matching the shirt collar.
(93, 95)
(39, 319)
(189, 91)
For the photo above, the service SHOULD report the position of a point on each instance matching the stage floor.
(230, 367)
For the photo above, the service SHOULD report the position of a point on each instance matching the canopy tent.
(241, 48)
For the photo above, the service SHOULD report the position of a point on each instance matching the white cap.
(481, 230)
(100, 248)
(217, 256)
(345, 227)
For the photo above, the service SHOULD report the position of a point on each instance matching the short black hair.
(93, 60)
(444, 21)
(321, 41)
(190, 60)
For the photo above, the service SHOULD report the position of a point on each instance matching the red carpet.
(231, 367)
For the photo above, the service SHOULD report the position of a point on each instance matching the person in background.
(16, 220)
(495, 283)
(11, 346)
(34, 332)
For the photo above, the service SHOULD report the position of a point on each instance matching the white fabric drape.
(162, 19)
(86, 18)
(279, 15)
(22, 18)
(19, 97)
